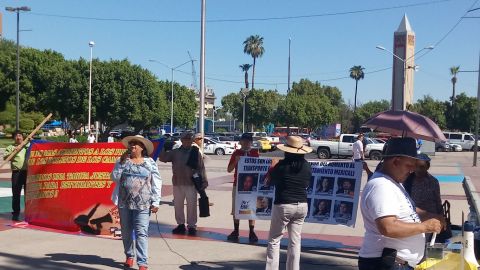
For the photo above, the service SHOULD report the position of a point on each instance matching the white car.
(211, 146)
(456, 147)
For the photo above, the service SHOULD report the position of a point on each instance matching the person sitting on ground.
(245, 150)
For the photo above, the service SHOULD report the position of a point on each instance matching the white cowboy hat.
(294, 145)
(147, 143)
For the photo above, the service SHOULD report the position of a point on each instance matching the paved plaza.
(323, 246)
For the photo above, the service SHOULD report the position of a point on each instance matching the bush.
(27, 124)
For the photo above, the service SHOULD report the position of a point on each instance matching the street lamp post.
(17, 107)
(404, 61)
(244, 92)
(90, 44)
(171, 99)
(215, 109)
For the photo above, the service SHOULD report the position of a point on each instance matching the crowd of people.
(400, 202)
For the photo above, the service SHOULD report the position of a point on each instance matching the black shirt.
(291, 186)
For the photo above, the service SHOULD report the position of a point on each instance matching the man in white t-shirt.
(91, 138)
(358, 148)
(394, 232)
(110, 138)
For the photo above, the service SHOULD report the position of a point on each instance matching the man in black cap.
(394, 232)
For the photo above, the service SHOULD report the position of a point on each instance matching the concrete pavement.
(323, 246)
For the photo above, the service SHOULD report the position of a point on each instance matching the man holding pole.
(18, 165)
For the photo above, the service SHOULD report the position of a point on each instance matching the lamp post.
(172, 69)
(215, 109)
(404, 61)
(17, 106)
(90, 44)
(244, 92)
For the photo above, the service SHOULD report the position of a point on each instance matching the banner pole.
(29, 137)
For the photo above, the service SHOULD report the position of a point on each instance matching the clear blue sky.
(323, 49)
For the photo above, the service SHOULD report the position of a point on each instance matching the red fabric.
(239, 153)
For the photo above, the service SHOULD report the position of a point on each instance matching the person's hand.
(432, 225)
(153, 209)
(274, 162)
(124, 156)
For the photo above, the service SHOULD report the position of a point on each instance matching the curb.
(472, 196)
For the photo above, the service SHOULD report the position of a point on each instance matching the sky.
(327, 39)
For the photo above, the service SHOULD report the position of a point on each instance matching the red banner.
(69, 186)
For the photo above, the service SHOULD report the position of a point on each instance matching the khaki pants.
(180, 193)
(292, 217)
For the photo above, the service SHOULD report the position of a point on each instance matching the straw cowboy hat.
(294, 145)
(148, 145)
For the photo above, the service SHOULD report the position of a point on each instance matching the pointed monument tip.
(404, 25)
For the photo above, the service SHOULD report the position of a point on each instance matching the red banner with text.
(69, 186)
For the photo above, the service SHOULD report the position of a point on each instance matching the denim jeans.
(292, 217)
(135, 222)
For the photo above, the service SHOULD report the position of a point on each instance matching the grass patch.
(4, 142)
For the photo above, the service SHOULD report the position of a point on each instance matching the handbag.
(447, 233)
(204, 206)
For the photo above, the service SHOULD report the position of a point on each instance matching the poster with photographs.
(254, 194)
(332, 193)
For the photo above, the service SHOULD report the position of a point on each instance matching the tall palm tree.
(453, 71)
(253, 46)
(356, 73)
(245, 68)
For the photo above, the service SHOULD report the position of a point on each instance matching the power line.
(327, 14)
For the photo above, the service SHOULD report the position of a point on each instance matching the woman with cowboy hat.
(291, 177)
(137, 193)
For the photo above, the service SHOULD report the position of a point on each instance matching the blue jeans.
(135, 222)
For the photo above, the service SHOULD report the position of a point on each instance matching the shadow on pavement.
(17, 262)
(86, 259)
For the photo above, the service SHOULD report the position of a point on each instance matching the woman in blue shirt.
(137, 193)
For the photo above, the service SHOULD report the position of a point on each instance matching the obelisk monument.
(403, 66)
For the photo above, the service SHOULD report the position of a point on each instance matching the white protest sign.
(332, 194)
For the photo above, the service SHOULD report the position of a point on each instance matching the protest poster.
(332, 194)
(69, 186)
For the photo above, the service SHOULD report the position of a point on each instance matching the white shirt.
(91, 138)
(73, 140)
(358, 150)
(111, 139)
(381, 197)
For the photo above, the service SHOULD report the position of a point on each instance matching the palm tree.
(253, 46)
(245, 68)
(453, 71)
(356, 73)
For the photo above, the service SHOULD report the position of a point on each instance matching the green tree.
(262, 106)
(466, 110)
(253, 46)
(356, 73)
(233, 103)
(454, 71)
(245, 68)
(367, 110)
(433, 109)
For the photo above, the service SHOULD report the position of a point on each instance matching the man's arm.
(165, 156)
(233, 162)
(391, 227)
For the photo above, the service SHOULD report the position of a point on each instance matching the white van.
(466, 140)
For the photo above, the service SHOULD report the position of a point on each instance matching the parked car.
(442, 147)
(231, 140)
(263, 145)
(465, 140)
(456, 147)
(343, 147)
(211, 146)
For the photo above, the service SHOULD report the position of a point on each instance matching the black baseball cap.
(247, 136)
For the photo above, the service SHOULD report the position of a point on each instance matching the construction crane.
(194, 74)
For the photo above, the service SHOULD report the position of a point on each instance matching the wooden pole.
(29, 137)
